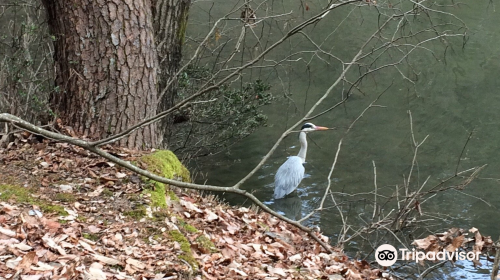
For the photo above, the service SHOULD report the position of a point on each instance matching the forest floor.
(68, 214)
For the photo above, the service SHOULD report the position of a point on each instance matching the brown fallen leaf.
(32, 277)
(106, 260)
(136, 263)
(28, 259)
(190, 206)
(22, 246)
(93, 229)
(455, 244)
(425, 242)
(7, 232)
(120, 175)
(49, 242)
(41, 266)
(277, 271)
(211, 216)
(479, 243)
(52, 226)
(94, 272)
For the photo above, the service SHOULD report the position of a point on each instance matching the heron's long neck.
(303, 146)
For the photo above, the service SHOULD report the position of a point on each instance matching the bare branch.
(372, 104)
(375, 185)
(206, 88)
(18, 122)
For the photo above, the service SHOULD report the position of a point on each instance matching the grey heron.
(290, 173)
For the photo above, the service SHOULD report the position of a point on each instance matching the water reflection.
(289, 206)
(451, 99)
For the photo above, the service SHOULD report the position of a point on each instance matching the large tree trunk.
(170, 21)
(106, 65)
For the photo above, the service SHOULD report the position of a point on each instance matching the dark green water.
(449, 100)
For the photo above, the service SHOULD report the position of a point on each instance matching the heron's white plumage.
(291, 173)
(288, 176)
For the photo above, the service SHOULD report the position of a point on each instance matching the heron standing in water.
(290, 173)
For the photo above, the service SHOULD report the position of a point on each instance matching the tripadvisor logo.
(387, 255)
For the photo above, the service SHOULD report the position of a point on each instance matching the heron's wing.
(288, 176)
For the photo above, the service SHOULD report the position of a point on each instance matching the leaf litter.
(97, 235)
(457, 239)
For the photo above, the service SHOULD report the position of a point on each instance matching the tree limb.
(20, 123)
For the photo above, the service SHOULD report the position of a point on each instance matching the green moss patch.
(107, 192)
(160, 215)
(189, 228)
(23, 195)
(163, 163)
(166, 164)
(91, 236)
(137, 214)
(156, 191)
(172, 195)
(187, 255)
(81, 219)
(206, 243)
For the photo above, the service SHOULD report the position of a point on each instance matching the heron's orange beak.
(321, 128)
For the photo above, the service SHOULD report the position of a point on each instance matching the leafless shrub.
(398, 214)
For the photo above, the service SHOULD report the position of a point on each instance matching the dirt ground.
(68, 214)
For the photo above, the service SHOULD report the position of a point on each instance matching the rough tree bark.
(170, 21)
(106, 65)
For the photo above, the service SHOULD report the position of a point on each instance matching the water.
(448, 101)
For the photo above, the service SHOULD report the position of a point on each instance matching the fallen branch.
(20, 123)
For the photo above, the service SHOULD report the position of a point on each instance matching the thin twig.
(463, 149)
(375, 185)
(430, 269)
